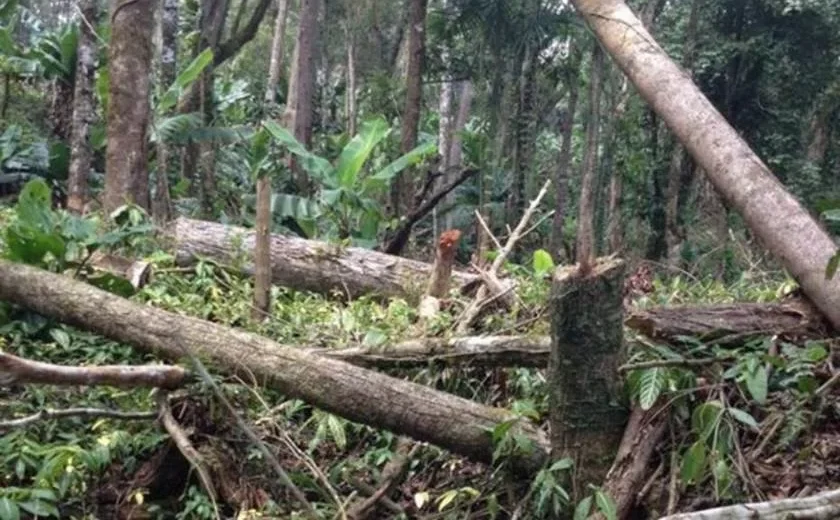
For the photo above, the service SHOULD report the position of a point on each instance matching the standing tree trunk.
(278, 44)
(302, 84)
(262, 238)
(456, 154)
(130, 64)
(83, 110)
(745, 182)
(673, 232)
(584, 253)
(525, 126)
(350, 109)
(162, 203)
(402, 187)
(564, 162)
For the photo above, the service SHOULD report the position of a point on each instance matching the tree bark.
(262, 251)
(356, 394)
(302, 83)
(307, 265)
(585, 243)
(351, 83)
(455, 162)
(168, 71)
(19, 371)
(561, 174)
(673, 231)
(586, 413)
(83, 110)
(130, 65)
(770, 211)
(525, 126)
(278, 43)
(402, 187)
(822, 506)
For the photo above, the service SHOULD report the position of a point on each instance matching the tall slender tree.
(130, 64)
(585, 252)
(167, 72)
(299, 102)
(83, 109)
(403, 186)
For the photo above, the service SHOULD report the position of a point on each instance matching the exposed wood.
(137, 272)
(262, 251)
(824, 506)
(307, 265)
(773, 214)
(16, 370)
(586, 413)
(359, 395)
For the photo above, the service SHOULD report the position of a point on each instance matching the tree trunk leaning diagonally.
(307, 265)
(83, 109)
(778, 220)
(162, 202)
(402, 187)
(356, 394)
(130, 63)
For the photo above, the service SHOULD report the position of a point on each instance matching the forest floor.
(762, 426)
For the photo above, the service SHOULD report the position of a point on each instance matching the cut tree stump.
(363, 396)
(306, 265)
(586, 413)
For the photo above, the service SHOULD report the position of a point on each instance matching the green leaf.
(706, 417)
(832, 215)
(187, 77)
(693, 462)
(374, 338)
(298, 208)
(543, 264)
(606, 505)
(61, 337)
(112, 283)
(336, 427)
(317, 167)
(446, 499)
(7, 7)
(757, 384)
(356, 152)
(831, 268)
(8, 510)
(583, 508)
(410, 159)
(743, 417)
(651, 383)
(39, 508)
(562, 464)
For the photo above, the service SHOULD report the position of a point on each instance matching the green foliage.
(347, 194)
(58, 241)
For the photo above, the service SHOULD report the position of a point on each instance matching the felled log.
(357, 394)
(477, 351)
(732, 322)
(824, 506)
(16, 370)
(307, 265)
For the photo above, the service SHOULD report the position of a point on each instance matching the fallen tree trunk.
(772, 213)
(824, 506)
(360, 395)
(16, 370)
(307, 265)
(478, 351)
(731, 322)
(725, 324)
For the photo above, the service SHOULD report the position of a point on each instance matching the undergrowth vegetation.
(741, 399)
